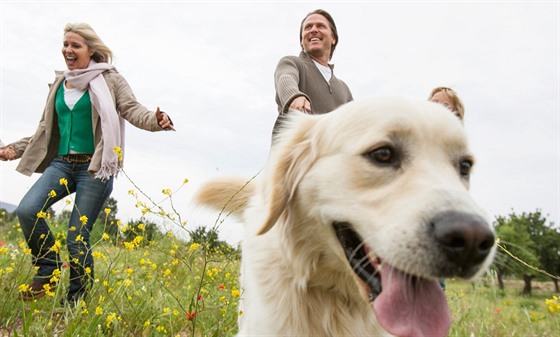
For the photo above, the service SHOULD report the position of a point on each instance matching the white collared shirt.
(325, 71)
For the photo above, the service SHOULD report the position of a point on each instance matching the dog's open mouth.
(405, 305)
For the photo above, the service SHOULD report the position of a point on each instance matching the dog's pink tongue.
(411, 309)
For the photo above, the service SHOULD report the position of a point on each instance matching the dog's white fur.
(322, 169)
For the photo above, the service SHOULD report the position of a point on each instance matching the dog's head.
(388, 180)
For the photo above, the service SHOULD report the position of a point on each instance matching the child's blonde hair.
(458, 106)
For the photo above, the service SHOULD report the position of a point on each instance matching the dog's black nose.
(466, 239)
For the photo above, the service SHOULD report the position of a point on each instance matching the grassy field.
(169, 287)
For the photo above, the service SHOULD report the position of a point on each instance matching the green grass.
(482, 309)
(169, 287)
(139, 290)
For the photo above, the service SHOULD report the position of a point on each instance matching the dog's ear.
(291, 157)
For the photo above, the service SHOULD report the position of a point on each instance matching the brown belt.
(77, 158)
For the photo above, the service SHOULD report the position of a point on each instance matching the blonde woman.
(74, 148)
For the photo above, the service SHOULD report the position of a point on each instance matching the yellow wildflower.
(111, 318)
(553, 304)
(137, 240)
(105, 236)
(79, 238)
(52, 194)
(118, 151)
(23, 288)
(166, 191)
(141, 227)
(56, 247)
(235, 293)
(63, 181)
(55, 276)
(84, 219)
(41, 215)
(193, 247)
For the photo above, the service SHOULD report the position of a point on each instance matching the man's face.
(316, 36)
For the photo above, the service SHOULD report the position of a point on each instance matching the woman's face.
(75, 51)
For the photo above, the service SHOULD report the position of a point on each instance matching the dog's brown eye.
(465, 167)
(382, 155)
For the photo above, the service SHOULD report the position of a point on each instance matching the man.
(307, 82)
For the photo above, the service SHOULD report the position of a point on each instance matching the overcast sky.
(210, 65)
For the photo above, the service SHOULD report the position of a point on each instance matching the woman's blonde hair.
(458, 106)
(101, 53)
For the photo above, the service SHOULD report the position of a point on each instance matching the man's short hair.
(331, 23)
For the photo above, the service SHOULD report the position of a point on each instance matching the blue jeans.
(90, 196)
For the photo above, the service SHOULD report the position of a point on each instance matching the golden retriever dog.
(353, 220)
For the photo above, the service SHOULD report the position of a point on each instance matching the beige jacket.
(37, 151)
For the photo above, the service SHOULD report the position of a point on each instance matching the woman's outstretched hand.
(164, 121)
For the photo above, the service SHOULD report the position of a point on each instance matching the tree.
(515, 238)
(209, 238)
(547, 240)
(7, 217)
(144, 228)
(527, 237)
(203, 236)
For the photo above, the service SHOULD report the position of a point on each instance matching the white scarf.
(112, 125)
